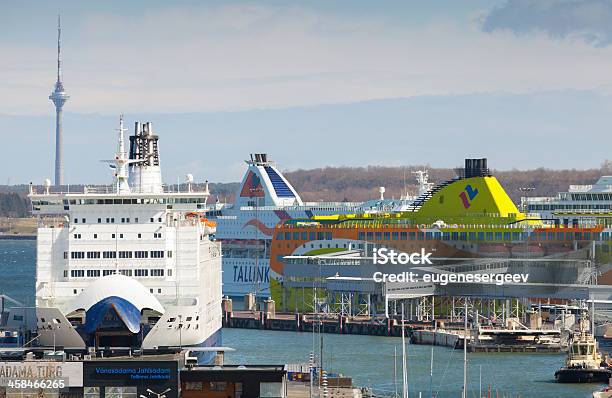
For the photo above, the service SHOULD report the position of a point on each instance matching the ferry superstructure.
(264, 199)
(470, 216)
(133, 265)
(579, 205)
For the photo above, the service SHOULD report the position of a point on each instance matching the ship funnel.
(264, 185)
(145, 171)
(475, 168)
(259, 158)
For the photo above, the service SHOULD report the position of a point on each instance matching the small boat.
(584, 363)
(605, 393)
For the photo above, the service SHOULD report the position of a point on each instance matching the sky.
(526, 83)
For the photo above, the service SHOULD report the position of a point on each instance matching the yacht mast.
(465, 343)
(404, 368)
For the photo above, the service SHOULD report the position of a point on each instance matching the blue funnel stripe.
(127, 312)
(280, 187)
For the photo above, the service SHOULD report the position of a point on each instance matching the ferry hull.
(567, 375)
(214, 340)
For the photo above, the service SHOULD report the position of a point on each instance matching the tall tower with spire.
(59, 98)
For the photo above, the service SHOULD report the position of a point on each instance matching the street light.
(524, 190)
(254, 194)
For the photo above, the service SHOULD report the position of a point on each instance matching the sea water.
(369, 360)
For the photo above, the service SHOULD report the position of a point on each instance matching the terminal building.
(349, 282)
(167, 376)
(580, 205)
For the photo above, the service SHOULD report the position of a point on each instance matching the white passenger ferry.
(581, 205)
(130, 266)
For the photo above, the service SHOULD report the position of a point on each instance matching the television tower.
(59, 98)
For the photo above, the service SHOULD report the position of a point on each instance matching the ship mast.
(120, 163)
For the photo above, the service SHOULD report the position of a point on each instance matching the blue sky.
(525, 82)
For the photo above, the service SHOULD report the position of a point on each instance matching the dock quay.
(482, 339)
(371, 326)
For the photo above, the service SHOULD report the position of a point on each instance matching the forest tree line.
(13, 204)
(356, 184)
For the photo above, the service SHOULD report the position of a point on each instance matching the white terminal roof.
(604, 184)
(119, 286)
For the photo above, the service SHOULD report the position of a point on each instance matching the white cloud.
(205, 58)
(585, 20)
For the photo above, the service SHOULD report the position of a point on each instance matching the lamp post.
(255, 194)
(524, 190)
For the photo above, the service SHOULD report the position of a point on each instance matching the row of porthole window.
(446, 236)
(109, 254)
(156, 235)
(131, 201)
(111, 220)
(304, 236)
(96, 273)
(159, 291)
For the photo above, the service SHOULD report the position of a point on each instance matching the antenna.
(189, 180)
(405, 186)
(59, 48)
(121, 130)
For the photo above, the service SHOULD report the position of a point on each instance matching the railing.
(183, 223)
(54, 225)
(55, 222)
(332, 206)
(99, 189)
(580, 188)
(582, 211)
(111, 189)
(349, 224)
(540, 199)
(43, 223)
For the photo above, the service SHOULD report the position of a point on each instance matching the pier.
(307, 322)
(479, 340)
(516, 329)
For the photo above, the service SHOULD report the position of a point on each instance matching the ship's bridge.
(64, 203)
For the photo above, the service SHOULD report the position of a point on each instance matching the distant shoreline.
(18, 228)
(17, 237)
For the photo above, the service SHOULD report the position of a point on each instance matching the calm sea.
(369, 360)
